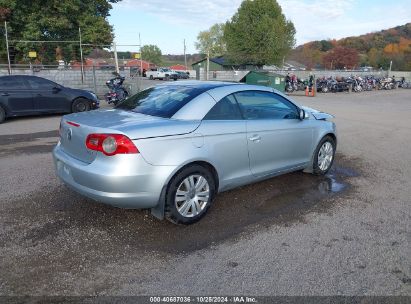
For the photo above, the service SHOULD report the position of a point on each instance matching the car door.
(48, 96)
(15, 96)
(277, 139)
(224, 132)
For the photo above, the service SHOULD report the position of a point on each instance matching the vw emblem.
(68, 134)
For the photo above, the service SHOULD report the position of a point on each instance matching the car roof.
(25, 76)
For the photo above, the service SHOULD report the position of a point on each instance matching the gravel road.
(344, 234)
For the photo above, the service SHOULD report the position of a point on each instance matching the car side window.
(265, 105)
(40, 83)
(11, 83)
(226, 109)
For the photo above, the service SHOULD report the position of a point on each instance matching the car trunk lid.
(76, 127)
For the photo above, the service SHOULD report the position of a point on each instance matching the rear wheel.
(80, 105)
(189, 195)
(151, 77)
(2, 115)
(324, 156)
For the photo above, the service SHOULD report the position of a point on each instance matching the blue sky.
(167, 23)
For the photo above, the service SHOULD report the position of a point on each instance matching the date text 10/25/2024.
(203, 299)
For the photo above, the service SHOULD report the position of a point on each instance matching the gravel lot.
(344, 234)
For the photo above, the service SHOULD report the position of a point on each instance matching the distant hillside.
(166, 60)
(373, 49)
(169, 60)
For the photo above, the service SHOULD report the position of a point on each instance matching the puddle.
(278, 201)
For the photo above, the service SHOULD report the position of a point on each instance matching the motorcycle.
(117, 92)
(289, 86)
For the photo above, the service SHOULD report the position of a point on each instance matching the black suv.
(30, 95)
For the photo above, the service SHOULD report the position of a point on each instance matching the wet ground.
(280, 200)
(56, 242)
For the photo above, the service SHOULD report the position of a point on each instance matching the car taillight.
(111, 144)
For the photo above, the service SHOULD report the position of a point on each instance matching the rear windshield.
(162, 101)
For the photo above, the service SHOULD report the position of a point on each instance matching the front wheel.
(324, 156)
(189, 195)
(80, 105)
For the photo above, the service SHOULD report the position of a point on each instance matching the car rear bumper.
(125, 181)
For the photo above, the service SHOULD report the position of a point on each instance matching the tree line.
(373, 49)
(51, 21)
(257, 34)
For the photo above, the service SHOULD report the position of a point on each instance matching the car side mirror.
(302, 114)
(56, 90)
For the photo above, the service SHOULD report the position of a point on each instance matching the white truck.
(162, 74)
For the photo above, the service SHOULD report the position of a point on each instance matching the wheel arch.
(202, 163)
(80, 97)
(159, 210)
(332, 135)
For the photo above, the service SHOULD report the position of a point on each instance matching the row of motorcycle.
(341, 84)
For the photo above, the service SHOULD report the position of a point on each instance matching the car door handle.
(4, 94)
(255, 138)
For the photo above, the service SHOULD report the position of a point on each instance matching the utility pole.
(208, 63)
(115, 57)
(7, 46)
(185, 56)
(81, 56)
(141, 56)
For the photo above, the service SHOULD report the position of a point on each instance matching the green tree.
(259, 33)
(51, 20)
(326, 45)
(212, 40)
(151, 53)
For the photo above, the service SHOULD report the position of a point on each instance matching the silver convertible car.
(173, 147)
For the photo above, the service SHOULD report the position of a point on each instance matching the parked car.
(162, 74)
(182, 75)
(30, 95)
(173, 147)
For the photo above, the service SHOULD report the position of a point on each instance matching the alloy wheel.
(192, 195)
(325, 156)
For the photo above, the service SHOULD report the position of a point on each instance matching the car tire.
(189, 195)
(324, 156)
(2, 115)
(80, 105)
(151, 77)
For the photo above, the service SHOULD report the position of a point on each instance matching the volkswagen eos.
(171, 148)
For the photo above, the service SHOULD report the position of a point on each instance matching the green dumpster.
(268, 79)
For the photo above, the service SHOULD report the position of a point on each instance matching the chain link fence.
(93, 77)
